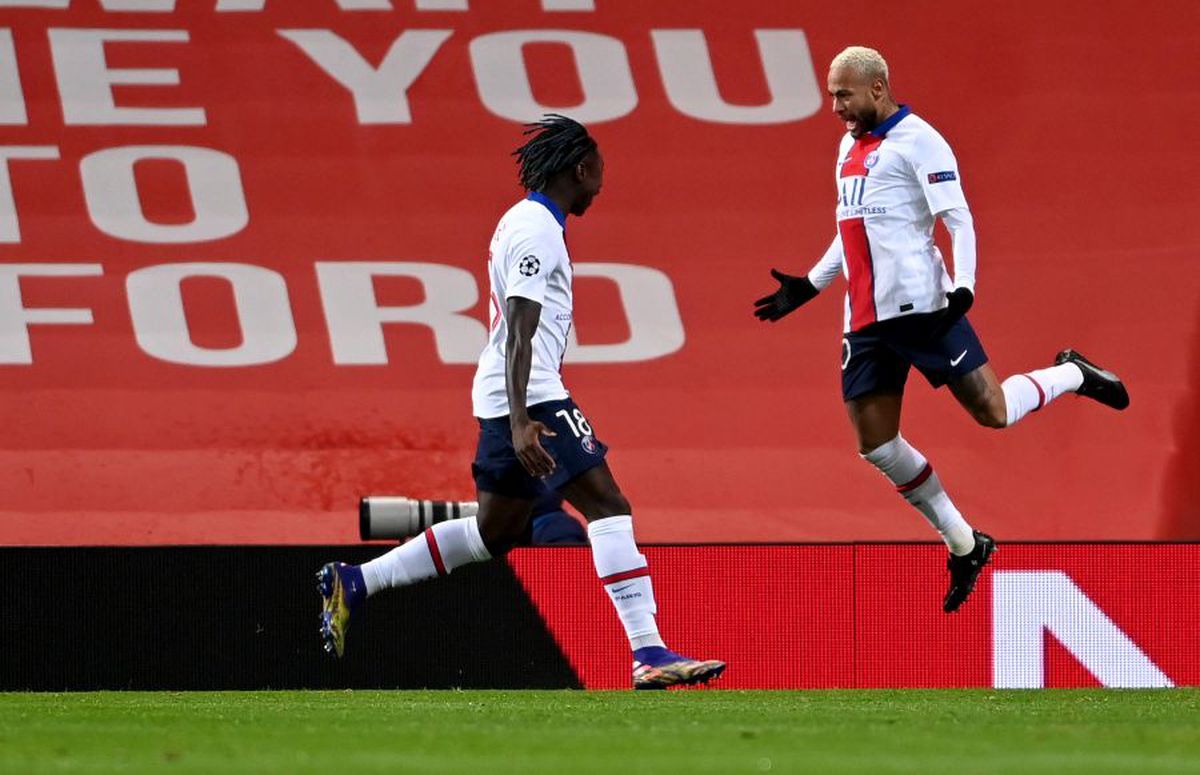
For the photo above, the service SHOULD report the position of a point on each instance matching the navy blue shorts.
(877, 359)
(575, 449)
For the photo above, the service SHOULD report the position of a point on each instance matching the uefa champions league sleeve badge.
(529, 266)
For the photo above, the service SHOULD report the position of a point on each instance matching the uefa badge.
(529, 266)
(871, 160)
(589, 445)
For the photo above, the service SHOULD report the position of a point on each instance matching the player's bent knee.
(991, 417)
(499, 542)
(500, 536)
(867, 446)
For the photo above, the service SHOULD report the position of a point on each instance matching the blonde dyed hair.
(867, 62)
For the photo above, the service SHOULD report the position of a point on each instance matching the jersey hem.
(507, 412)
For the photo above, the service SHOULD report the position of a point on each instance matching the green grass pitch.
(484, 732)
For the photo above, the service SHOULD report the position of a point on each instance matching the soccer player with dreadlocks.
(531, 434)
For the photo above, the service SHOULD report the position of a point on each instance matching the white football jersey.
(892, 183)
(527, 258)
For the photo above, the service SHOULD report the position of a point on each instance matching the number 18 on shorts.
(574, 447)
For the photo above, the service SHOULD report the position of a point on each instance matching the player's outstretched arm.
(523, 316)
(796, 291)
(791, 294)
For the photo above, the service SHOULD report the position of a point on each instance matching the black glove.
(793, 291)
(958, 301)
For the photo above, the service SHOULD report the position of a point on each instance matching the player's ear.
(580, 171)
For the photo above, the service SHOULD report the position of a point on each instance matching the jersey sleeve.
(829, 265)
(937, 172)
(531, 259)
(962, 231)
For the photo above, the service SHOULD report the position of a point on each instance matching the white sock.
(436, 552)
(914, 478)
(624, 573)
(1025, 393)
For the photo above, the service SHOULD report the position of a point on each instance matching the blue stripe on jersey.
(895, 118)
(545, 201)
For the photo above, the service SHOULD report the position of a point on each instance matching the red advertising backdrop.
(242, 258)
(869, 615)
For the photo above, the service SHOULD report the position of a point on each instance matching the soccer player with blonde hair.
(895, 177)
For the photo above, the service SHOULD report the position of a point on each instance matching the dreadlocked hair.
(558, 143)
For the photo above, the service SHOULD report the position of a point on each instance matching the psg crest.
(529, 266)
(588, 444)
